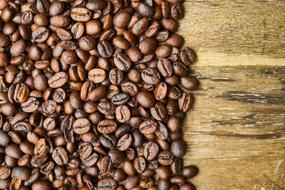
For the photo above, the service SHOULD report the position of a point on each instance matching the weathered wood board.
(236, 131)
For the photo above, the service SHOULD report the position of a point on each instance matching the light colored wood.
(236, 131)
(235, 32)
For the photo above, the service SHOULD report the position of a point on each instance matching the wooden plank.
(236, 131)
(240, 32)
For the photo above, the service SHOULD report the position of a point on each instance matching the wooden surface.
(236, 131)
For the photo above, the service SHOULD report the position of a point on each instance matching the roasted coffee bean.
(107, 184)
(87, 43)
(60, 156)
(41, 34)
(43, 185)
(97, 75)
(105, 107)
(81, 14)
(58, 80)
(108, 141)
(145, 99)
(140, 164)
(59, 95)
(190, 171)
(4, 138)
(13, 151)
(120, 99)
(178, 148)
(116, 76)
(140, 26)
(151, 150)
(77, 30)
(187, 56)
(121, 19)
(189, 83)
(81, 126)
(107, 126)
(5, 172)
(123, 113)
(105, 49)
(124, 142)
(93, 95)
(145, 10)
(122, 62)
(148, 127)
(185, 102)
(150, 76)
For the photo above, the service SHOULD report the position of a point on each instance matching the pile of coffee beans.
(93, 94)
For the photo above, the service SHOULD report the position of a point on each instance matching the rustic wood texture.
(236, 131)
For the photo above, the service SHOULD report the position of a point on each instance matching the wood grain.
(236, 131)
(235, 32)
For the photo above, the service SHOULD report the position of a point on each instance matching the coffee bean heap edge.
(93, 94)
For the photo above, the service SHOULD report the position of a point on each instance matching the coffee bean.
(105, 49)
(158, 112)
(107, 184)
(105, 107)
(13, 151)
(68, 57)
(162, 132)
(4, 138)
(56, 8)
(124, 142)
(77, 30)
(165, 158)
(140, 26)
(87, 43)
(187, 186)
(108, 141)
(120, 99)
(66, 127)
(145, 99)
(18, 48)
(189, 83)
(5, 172)
(60, 21)
(122, 62)
(93, 27)
(60, 156)
(148, 127)
(151, 150)
(190, 171)
(123, 113)
(43, 185)
(145, 10)
(80, 14)
(187, 56)
(107, 126)
(121, 42)
(41, 34)
(178, 148)
(140, 164)
(116, 76)
(57, 80)
(21, 173)
(81, 126)
(150, 76)
(177, 11)
(59, 95)
(63, 34)
(185, 102)
(90, 160)
(97, 75)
